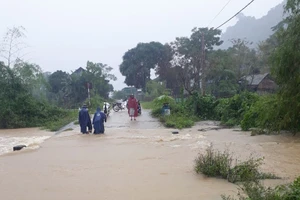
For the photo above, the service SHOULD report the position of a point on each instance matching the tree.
(12, 45)
(119, 94)
(265, 50)
(138, 61)
(155, 89)
(221, 79)
(99, 75)
(57, 81)
(190, 57)
(244, 59)
(286, 67)
(32, 78)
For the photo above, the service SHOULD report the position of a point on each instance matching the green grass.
(176, 121)
(147, 105)
(56, 124)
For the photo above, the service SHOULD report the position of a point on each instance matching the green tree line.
(30, 97)
(193, 64)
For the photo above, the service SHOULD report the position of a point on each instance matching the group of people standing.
(85, 121)
(86, 124)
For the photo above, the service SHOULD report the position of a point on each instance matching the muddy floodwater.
(134, 160)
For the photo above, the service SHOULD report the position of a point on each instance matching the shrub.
(220, 164)
(202, 106)
(159, 101)
(236, 107)
(255, 190)
(214, 163)
(263, 114)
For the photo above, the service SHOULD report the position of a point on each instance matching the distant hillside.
(254, 30)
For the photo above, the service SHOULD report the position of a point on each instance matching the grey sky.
(64, 34)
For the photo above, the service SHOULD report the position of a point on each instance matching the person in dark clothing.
(98, 121)
(84, 120)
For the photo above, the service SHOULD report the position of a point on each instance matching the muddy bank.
(137, 160)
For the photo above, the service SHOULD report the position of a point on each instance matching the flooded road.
(136, 160)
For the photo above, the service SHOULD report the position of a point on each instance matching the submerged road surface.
(135, 160)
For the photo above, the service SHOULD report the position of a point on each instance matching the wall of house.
(267, 85)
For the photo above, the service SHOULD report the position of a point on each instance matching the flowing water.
(133, 160)
(31, 137)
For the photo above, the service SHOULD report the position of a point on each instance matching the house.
(260, 83)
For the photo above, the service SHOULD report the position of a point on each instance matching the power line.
(235, 14)
(219, 13)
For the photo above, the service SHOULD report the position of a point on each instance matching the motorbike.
(139, 108)
(118, 106)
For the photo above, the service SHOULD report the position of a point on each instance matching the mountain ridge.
(252, 29)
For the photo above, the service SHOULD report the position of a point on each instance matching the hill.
(252, 29)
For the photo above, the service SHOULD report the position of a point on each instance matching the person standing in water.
(132, 106)
(84, 120)
(98, 121)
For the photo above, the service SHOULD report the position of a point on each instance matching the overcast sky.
(64, 34)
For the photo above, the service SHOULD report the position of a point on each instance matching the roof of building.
(255, 79)
(80, 69)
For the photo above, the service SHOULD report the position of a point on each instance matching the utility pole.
(203, 84)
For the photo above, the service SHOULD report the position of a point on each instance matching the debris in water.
(18, 147)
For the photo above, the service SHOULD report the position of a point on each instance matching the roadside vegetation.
(246, 174)
(221, 88)
(32, 98)
(214, 163)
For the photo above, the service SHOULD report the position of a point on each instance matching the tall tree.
(286, 66)
(12, 45)
(138, 62)
(32, 78)
(244, 58)
(190, 56)
(221, 79)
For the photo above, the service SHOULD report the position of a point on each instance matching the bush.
(57, 123)
(220, 164)
(214, 163)
(252, 190)
(179, 117)
(268, 113)
(236, 107)
(159, 101)
(95, 102)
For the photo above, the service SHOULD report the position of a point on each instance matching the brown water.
(136, 160)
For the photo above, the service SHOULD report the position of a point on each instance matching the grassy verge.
(57, 123)
(179, 118)
(147, 105)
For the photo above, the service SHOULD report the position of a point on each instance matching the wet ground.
(136, 160)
